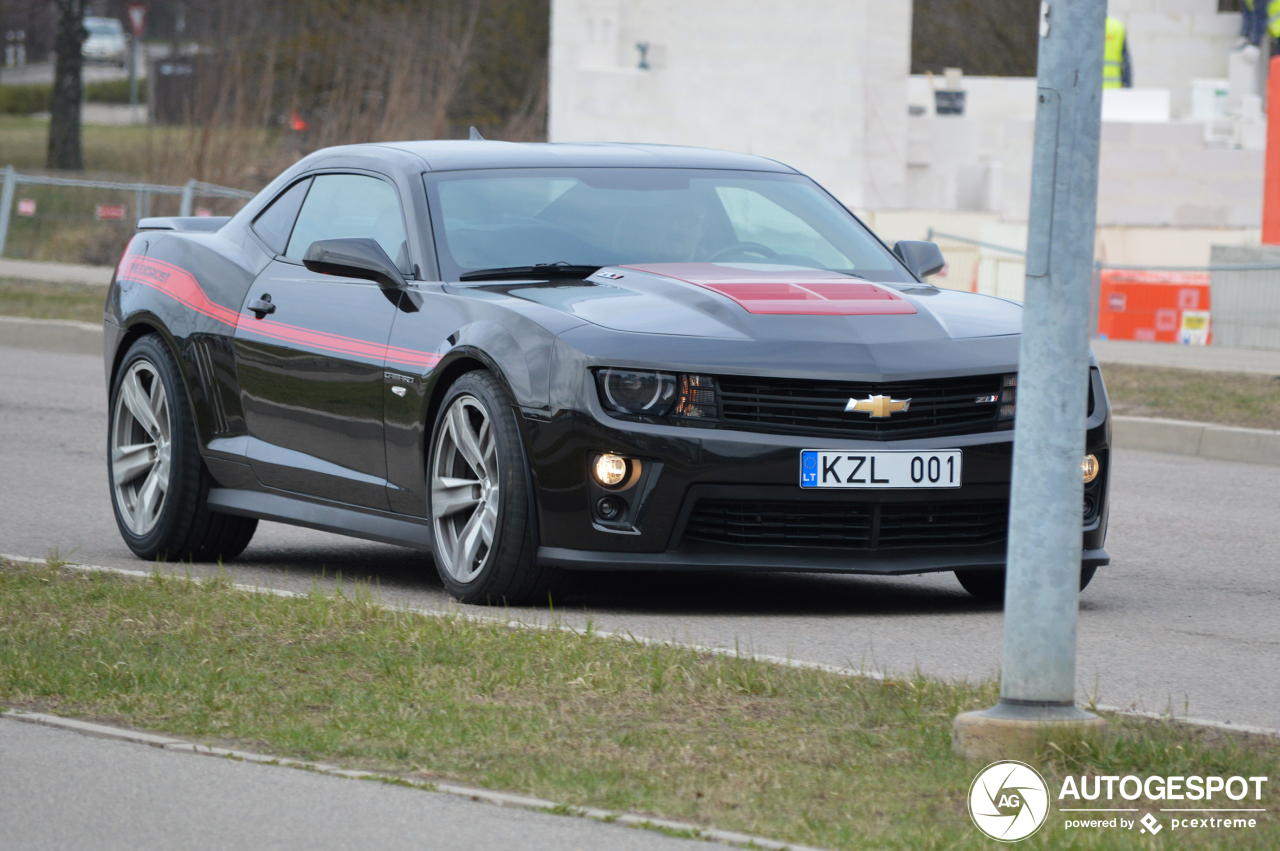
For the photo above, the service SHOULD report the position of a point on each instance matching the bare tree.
(68, 87)
(996, 38)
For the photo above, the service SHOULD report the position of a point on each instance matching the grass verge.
(803, 756)
(1229, 398)
(51, 300)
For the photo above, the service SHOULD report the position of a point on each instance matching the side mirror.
(922, 258)
(355, 257)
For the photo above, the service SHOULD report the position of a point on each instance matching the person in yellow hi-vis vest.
(1258, 18)
(1117, 70)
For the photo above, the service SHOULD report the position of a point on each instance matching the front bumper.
(686, 466)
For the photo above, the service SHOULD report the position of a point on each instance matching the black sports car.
(527, 359)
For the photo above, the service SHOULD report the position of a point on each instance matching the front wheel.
(988, 585)
(482, 519)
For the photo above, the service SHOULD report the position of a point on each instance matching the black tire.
(988, 585)
(507, 572)
(183, 528)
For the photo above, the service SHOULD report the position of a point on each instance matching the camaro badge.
(878, 406)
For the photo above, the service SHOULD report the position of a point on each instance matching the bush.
(24, 100)
(114, 91)
(35, 97)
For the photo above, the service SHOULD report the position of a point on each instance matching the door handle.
(260, 307)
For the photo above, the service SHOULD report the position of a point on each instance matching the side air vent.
(202, 347)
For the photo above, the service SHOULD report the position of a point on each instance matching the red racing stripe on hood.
(800, 292)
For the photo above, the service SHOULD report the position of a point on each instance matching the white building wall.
(818, 84)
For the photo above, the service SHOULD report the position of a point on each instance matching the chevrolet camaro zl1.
(527, 360)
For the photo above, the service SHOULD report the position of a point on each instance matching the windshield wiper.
(539, 270)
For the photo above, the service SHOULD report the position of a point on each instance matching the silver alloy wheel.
(464, 489)
(140, 447)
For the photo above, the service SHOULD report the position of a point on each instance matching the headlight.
(657, 394)
(1090, 468)
(629, 391)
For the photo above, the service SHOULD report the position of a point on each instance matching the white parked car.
(106, 41)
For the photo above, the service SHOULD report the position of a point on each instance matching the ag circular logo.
(1008, 800)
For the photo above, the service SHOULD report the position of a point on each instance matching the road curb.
(501, 799)
(51, 335)
(69, 273)
(1203, 440)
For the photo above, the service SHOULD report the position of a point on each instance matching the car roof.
(457, 155)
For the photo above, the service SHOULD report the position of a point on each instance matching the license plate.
(891, 468)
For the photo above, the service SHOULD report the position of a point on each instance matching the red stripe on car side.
(181, 285)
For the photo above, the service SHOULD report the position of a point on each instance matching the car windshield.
(103, 26)
(615, 216)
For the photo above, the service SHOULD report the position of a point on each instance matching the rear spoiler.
(200, 224)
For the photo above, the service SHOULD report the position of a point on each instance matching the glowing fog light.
(610, 470)
(1090, 468)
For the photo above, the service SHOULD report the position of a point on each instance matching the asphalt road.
(1187, 617)
(62, 791)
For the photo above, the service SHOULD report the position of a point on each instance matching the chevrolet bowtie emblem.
(878, 406)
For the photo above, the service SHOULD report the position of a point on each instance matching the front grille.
(848, 525)
(939, 406)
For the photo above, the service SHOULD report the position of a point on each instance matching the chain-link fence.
(72, 220)
(1225, 304)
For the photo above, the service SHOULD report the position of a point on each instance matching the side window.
(274, 223)
(349, 205)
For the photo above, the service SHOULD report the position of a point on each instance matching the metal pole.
(137, 204)
(188, 193)
(1042, 584)
(133, 75)
(6, 204)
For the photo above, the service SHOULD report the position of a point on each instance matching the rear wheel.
(159, 483)
(988, 585)
(482, 520)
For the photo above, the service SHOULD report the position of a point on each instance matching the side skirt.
(326, 518)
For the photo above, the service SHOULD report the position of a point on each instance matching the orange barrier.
(1166, 307)
(1271, 181)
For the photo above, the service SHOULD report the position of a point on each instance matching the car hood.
(768, 303)
(771, 320)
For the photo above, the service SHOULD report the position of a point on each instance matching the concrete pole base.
(1015, 730)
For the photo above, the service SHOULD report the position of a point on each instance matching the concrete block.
(1131, 161)
(1245, 215)
(1177, 134)
(1115, 133)
(1202, 215)
(1215, 162)
(1215, 23)
(1239, 190)
(1160, 23)
(1135, 214)
(1165, 187)
(987, 737)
